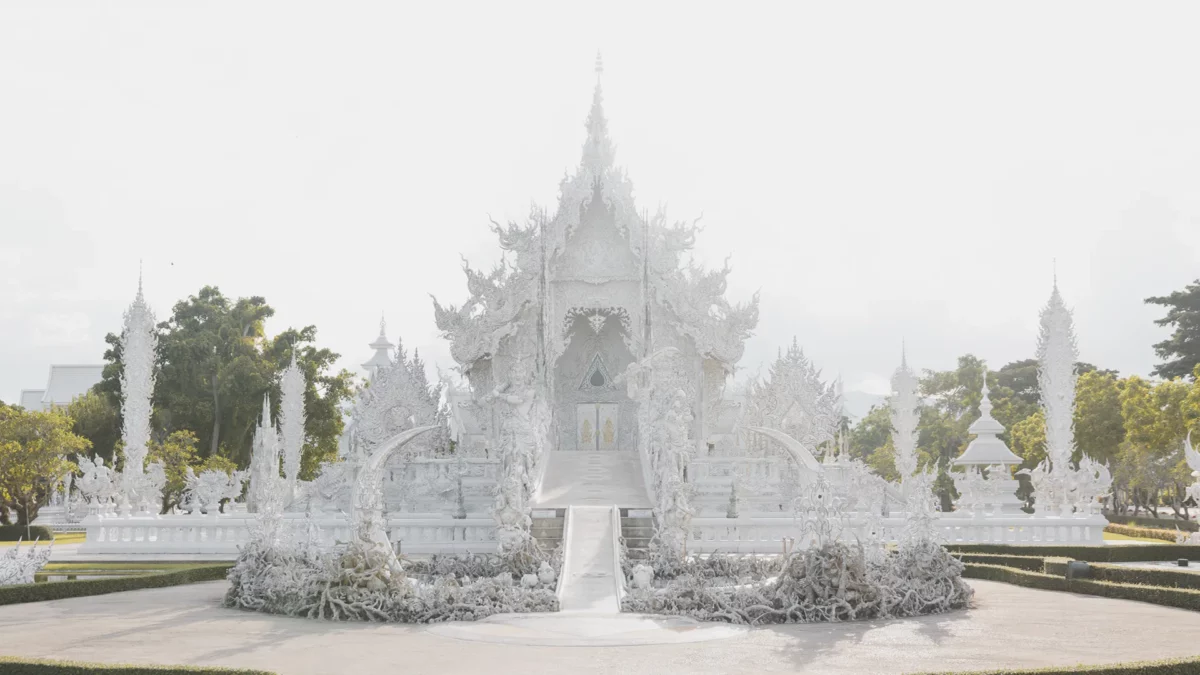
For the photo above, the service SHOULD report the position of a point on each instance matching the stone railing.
(777, 534)
(222, 534)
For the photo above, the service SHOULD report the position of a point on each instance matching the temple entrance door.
(596, 426)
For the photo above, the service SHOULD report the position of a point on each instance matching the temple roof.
(649, 249)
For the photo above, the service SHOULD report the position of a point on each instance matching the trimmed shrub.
(15, 532)
(1142, 532)
(1136, 553)
(57, 590)
(1169, 523)
(1184, 598)
(1167, 578)
(15, 665)
(1185, 666)
(1031, 563)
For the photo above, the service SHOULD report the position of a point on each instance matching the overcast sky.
(881, 171)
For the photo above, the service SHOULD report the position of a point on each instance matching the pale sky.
(881, 171)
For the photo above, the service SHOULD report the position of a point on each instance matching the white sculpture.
(643, 576)
(18, 566)
(519, 451)
(205, 492)
(987, 453)
(1057, 354)
(795, 401)
(139, 341)
(264, 460)
(291, 422)
(905, 417)
(96, 482)
(1193, 461)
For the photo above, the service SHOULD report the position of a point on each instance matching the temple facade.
(581, 297)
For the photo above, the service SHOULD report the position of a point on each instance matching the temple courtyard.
(1007, 626)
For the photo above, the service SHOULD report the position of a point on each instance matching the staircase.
(591, 581)
(547, 528)
(637, 530)
(592, 479)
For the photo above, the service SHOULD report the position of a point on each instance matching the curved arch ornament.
(367, 495)
(800, 454)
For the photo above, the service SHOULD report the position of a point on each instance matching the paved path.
(1010, 626)
(589, 572)
(592, 478)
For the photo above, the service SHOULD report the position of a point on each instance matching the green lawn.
(1109, 536)
(61, 538)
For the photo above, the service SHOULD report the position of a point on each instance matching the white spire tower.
(291, 419)
(138, 344)
(1057, 354)
(905, 417)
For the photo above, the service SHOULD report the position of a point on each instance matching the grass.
(1109, 536)
(60, 539)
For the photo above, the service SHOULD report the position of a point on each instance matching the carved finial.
(903, 354)
(599, 65)
(382, 325)
(1054, 267)
(139, 279)
(985, 404)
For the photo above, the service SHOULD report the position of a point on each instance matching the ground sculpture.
(19, 565)
(288, 567)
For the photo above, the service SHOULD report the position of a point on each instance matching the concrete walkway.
(592, 478)
(589, 581)
(1009, 627)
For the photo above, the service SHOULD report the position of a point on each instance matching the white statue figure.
(547, 575)
(518, 452)
(1193, 461)
(643, 576)
(1093, 483)
(96, 482)
(205, 491)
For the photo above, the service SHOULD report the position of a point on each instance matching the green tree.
(871, 441)
(1151, 461)
(34, 447)
(215, 363)
(177, 453)
(1181, 351)
(1099, 428)
(97, 419)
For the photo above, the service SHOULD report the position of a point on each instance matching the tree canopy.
(215, 363)
(1181, 351)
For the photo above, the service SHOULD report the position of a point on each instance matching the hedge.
(1033, 563)
(1165, 577)
(57, 590)
(1136, 553)
(1185, 666)
(1169, 523)
(1143, 532)
(15, 665)
(15, 532)
(1184, 598)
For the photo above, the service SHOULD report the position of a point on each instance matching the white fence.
(777, 534)
(223, 534)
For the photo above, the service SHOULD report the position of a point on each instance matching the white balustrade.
(772, 534)
(223, 534)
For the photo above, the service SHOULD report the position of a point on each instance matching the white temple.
(595, 361)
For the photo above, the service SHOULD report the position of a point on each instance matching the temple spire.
(598, 149)
(382, 348)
